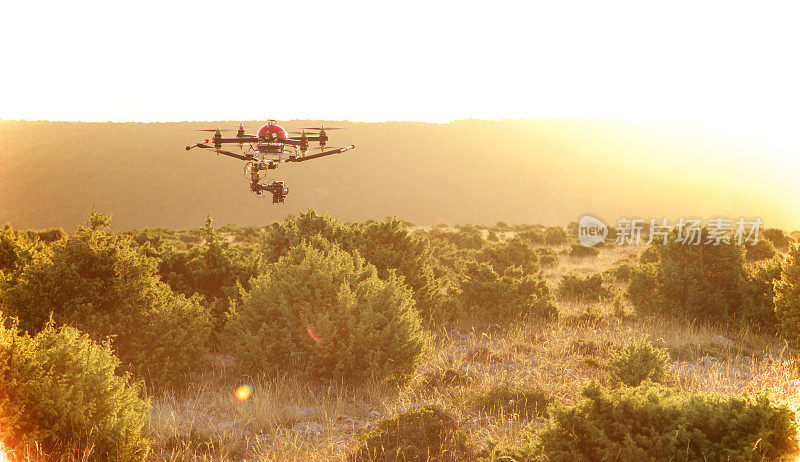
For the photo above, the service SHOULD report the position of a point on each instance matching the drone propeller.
(322, 128)
(217, 130)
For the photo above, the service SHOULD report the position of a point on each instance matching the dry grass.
(288, 419)
(274, 424)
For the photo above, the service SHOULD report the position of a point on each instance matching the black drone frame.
(257, 161)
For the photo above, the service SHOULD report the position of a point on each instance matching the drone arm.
(218, 151)
(242, 139)
(323, 154)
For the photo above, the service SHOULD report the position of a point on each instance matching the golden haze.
(548, 171)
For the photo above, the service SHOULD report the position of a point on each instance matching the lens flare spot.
(314, 334)
(243, 392)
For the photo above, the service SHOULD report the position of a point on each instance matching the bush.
(547, 256)
(652, 422)
(636, 361)
(512, 295)
(555, 236)
(777, 237)
(466, 238)
(507, 401)
(104, 285)
(59, 395)
(704, 282)
(643, 288)
(764, 250)
(17, 249)
(426, 434)
(388, 245)
(323, 313)
(534, 236)
(758, 306)
(588, 289)
(213, 270)
(787, 297)
(391, 247)
(579, 251)
(650, 255)
(515, 252)
(621, 273)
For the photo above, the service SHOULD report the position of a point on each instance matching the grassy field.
(287, 419)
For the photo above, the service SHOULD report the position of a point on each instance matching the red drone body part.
(273, 129)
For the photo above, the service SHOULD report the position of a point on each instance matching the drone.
(269, 148)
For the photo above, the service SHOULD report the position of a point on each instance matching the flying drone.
(269, 148)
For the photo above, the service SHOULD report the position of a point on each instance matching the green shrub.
(547, 256)
(650, 255)
(515, 252)
(589, 288)
(106, 286)
(323, 313)
(643, 287)
(621, 273)
(764, 250)
(704, 282)
(425, 434)
(388, 245)
(652, 422)
(59, 395)
(555, 235)
(758, 305)
(508, 401)
(787, 297)
(510, 295)
(777, 237)
(636, 361)
(579, 251)
(17, 249)
(534, 236)
(49, 235)
(214, 270)
(466, 238)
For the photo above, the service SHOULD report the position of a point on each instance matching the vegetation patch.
(513, 294)
(60, 396)
(787, 297)
(653, 422)
(425, 434)
(579, 251)
(105, 285)
(589, 288)
(638, 360)
(323, 313)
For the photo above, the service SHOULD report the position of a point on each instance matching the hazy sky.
(726, 62)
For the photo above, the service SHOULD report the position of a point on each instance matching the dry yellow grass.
(286, 419)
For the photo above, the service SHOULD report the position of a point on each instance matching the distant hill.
(534, 171)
